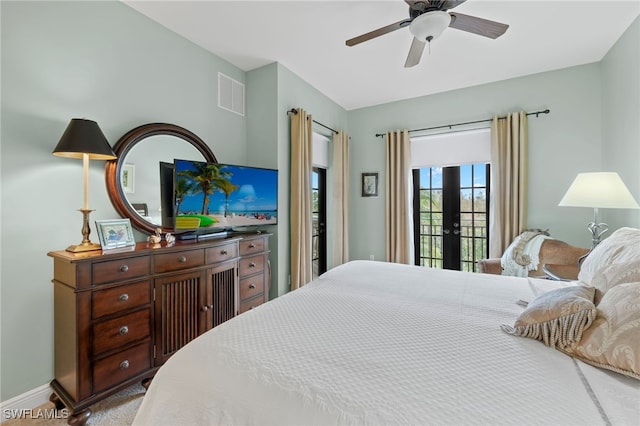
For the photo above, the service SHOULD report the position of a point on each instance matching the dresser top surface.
(146, 248)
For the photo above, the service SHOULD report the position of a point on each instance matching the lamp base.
(596, 230)
(86, 244)
(78, 248)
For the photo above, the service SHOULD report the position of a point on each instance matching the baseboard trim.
(26, 401)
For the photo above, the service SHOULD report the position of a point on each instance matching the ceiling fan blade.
(444, 4)
(415, 53)
(450, 4)
(476, 25)
(378, 32)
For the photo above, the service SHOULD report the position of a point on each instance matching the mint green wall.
(262, 134)
(104, 61)
(97, 60)
(559, 144)
(621, 119)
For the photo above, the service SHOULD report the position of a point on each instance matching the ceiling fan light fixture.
(430, 25)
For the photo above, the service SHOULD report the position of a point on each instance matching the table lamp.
(598, 190)
(84, 139)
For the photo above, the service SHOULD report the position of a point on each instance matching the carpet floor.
(118, 409)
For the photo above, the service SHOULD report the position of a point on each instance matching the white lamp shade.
(430, 24)
(599, 190)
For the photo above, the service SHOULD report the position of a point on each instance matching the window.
(451, 198)
(319, 220)
(451, 207)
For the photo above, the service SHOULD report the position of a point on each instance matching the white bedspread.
(379, 343)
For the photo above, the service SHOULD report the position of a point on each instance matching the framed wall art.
(128, 178)
(370, 184)
(115, 233)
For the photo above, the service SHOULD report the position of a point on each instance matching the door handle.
(456, 232)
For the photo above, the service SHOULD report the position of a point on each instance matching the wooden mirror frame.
(113, 168)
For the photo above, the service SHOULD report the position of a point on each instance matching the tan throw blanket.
(522, 255)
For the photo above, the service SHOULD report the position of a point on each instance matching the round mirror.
(143, 171)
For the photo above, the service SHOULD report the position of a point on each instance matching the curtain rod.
(536, 113)
(295, 111)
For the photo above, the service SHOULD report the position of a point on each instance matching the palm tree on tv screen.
(226, 187)
(207, 178)
(183, 187)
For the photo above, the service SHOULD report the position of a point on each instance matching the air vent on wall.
(230, 94)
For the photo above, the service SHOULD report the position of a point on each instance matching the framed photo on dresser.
(115, 233)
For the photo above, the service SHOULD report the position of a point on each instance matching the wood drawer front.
(250, 304)
(119, 270)
(179, 260)
(251, 286)
(117, 299)
(222, 253)
(251, 246)
(121, 331)
(251, 265)
(119, 367)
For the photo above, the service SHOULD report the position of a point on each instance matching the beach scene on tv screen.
(225, 196)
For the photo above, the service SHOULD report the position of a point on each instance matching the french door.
(451, 206)
(319, 220)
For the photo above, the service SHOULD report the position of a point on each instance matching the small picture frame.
(127, 178)
(370, 184)
(115, 233)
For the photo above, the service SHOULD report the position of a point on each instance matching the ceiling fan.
(427, 20)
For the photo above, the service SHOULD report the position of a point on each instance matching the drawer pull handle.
(124, 364)
(223, 252)
(204, 308)
(182, 259)
(124, 268)
(252, 286)
(252, 245)
(124, 330)
(123, 297)
(252, 265)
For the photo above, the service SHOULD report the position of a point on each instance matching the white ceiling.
(308, 38)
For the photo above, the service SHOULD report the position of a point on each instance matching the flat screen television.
(213, 197)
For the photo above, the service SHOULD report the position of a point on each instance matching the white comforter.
(379, 343)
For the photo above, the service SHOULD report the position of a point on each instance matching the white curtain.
(300, 198)
(509, 158)
(340, 196)
(398, 226)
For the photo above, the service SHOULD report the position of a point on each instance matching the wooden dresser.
(120, 315)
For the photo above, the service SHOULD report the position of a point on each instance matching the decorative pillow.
(622, 246)
(613, 340)
(557, 317)
(612, 275)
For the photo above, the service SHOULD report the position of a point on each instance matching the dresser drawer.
(121, 331)
(251, 286)
(176, 261)
(251, 265)
(117, 299)
(119, 367)
(250, 304)
(251, 246)
(222, 253)
(119, 270)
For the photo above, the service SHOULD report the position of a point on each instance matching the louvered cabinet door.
(222, 293)
(181, 312)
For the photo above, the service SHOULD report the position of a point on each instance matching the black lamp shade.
(84, 137)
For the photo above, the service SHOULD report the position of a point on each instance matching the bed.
(380, 343)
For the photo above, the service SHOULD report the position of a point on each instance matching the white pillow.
(615, 274)
(622, 246)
